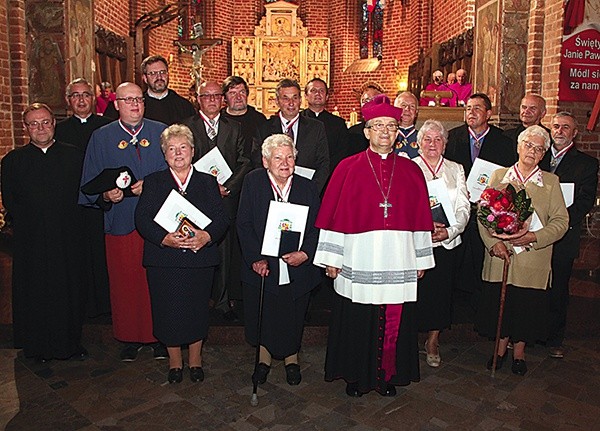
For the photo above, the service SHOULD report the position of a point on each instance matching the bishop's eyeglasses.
(379, 127)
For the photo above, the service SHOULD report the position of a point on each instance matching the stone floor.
(103, 393)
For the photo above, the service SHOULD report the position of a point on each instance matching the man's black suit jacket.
(496, 148)
(230, 143)
(337, 135)
(582, 170)
(311, 143)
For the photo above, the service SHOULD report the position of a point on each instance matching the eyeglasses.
(84, 95)
(234, 94)
(379, 127)
(131, 100)
(37, 124)
(536, 148)
(157, 73)
(210, 96)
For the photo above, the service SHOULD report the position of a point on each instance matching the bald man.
(531, 113)
(461, 87)
(132, 141)
(406, 142)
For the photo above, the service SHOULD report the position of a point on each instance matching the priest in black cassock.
(76, 130)
(40, 186)
(317, 95)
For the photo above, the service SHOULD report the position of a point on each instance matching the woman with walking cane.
(526, 252)
(289, 276)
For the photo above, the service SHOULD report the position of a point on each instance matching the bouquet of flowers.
(504, 212)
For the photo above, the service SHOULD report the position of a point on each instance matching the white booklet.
(479, 177)
(214, 164)
(438, 193)
(283, 216)
(536, 224)
(568, 191)
(176, 208)
(304, 172)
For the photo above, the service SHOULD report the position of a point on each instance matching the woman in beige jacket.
(525, 313)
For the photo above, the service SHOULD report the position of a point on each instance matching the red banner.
(580, 65)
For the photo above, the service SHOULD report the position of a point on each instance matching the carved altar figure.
(279, 49)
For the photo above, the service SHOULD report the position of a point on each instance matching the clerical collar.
(158, 96)
(45, 149)
(315, 112)
(384, 156)
(82, 119)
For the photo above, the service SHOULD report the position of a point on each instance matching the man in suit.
(317, 95)
(580, 169)
(533, 110)
(476, 139)
(211, 129)
(309, 135)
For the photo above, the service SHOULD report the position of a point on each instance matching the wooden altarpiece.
(280, 48)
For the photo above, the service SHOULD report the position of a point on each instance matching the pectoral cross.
(385, 205)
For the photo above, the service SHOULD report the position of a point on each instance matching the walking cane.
(500, 313)
(254, 399)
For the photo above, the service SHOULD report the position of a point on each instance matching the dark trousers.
(470, 262)
(227, 284)
(559, 299)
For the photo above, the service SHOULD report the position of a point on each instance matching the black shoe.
(196, 374)
(160, 351)
(519, 367)
(175, 375)
(352, 390)
(80, 355)
(292, 374)
(499, 362)
(390, 391)
(260, 373)
(130, 352)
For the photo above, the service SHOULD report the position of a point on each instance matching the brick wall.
(13, 68)
(407, 29)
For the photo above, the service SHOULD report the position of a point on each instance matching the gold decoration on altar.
(280, 48)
